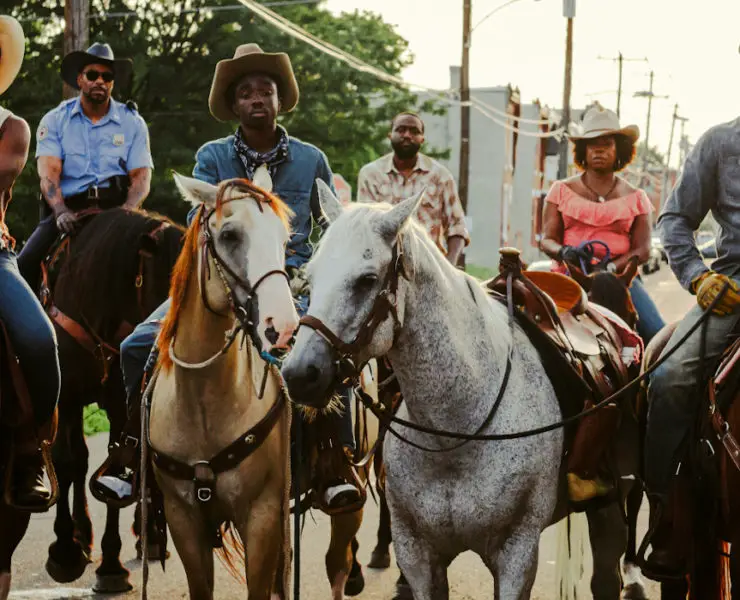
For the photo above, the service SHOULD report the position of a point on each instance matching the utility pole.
(76, 32)
(649, 94)
(620, 59)
(667, 167)
(465, 113)
(569, 12)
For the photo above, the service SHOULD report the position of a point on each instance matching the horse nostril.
(312, 374)
(272, 335)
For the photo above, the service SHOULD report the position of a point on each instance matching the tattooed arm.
(139, 187)
(50, 173)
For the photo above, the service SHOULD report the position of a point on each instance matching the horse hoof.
(113, 583)
(67, 573)
(633, 591)
(403, 592)
(355, 584)
(155, 552)
(380, 559)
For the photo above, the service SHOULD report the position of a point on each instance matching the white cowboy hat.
(12, 48)
(249, 58)
(600, 121)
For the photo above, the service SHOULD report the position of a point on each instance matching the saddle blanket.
(633, 346)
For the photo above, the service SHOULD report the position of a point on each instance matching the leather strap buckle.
(93, 193)
(204, 478)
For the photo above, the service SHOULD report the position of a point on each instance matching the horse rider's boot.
(595, 433)
(665, 560)
(27, 488)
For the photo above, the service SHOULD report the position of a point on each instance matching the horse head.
(236, 245)
(357, 294)
(610, 290)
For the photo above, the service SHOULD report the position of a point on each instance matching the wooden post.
(563, 164)
(76, 32)
(465, 114)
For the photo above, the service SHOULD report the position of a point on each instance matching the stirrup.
(96, 487)
(50, 473)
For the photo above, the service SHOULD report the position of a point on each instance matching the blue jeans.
(33, 337)
(650, 322)
(136, 355)
(674, 395)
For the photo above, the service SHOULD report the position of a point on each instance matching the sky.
(692, 47)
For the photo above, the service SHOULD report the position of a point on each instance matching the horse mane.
(187, 262)
(103, 264)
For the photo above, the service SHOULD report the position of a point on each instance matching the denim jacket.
(294, 183)
(710, 182)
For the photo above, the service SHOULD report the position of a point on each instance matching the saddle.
(581, 350)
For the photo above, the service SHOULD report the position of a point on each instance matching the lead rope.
(144, 497)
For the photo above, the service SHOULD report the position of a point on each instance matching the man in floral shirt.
(406, 172)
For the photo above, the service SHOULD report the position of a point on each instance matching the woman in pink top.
(599, 205)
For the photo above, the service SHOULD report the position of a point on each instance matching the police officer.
(91, 151)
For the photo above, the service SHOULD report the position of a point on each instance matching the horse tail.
(572, 537)
(232, 553)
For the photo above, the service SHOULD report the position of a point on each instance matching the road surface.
(469, 580)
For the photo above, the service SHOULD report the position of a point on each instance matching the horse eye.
(229, 235)
(365, 282)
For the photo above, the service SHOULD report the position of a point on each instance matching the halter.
(244, 313)
(385, 305)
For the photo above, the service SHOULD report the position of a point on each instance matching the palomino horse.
(607, 529)
(116, 273)
(216, 403)
(378, 278)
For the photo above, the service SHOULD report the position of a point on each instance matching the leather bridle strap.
(143, 255)
(383, 306)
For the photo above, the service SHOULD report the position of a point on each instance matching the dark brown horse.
(116, 272)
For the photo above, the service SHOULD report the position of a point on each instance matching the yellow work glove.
(708, 285)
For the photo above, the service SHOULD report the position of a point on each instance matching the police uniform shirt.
(92, 153)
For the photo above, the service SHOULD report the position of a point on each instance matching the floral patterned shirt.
(440, 212)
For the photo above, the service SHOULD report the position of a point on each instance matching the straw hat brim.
(75, 61)
(12, 49)
(631, 131)
(228, 71)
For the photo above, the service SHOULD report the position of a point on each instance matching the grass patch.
(479, 272)
(94, 420)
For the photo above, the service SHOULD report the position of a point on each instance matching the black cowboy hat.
(100, 54)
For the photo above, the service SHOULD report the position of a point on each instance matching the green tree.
(175, 47)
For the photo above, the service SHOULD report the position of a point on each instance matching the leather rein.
(84, 334)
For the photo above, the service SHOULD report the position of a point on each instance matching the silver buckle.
(204, 494)
(93, 193)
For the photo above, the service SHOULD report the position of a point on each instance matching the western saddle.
(554, 311)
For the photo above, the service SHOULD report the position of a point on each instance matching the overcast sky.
(692, 48)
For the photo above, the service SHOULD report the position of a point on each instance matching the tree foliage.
(175, 46)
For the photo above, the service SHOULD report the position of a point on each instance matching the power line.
(301, 34)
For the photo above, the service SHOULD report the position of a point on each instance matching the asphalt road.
(469, 580)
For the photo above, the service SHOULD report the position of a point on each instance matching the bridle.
(385, 305)
(246, 312)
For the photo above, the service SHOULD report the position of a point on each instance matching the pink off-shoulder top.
(609, 222)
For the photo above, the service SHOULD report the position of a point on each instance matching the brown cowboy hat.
(12, 48)
(249, 58)
(97, 54)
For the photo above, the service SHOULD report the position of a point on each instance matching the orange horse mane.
(187, 262)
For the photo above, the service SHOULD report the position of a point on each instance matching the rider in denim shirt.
(252, 87)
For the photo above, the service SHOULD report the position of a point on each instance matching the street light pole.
(569, 12)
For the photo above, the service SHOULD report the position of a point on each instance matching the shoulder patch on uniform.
(42, 132)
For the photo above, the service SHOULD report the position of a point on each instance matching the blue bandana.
(252, 160)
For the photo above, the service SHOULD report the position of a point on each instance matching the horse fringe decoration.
(572, 537)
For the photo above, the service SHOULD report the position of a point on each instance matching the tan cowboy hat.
(599, 121)
(249, 58)
(12, 48)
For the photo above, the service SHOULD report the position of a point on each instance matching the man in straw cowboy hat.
(29, 330)
(251, 88)
(92, 151)
(710, 182)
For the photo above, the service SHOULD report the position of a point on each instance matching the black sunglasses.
(92, 75)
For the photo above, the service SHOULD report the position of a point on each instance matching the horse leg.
(634, 585)
(514, 565)
(261, 530)
(340, 557)
(13, 526)
(608, 536)
(193, 545)
(424, 567)
(381, 556)
(356, 580)
(80, 512)
(111, 576)
(67, 558)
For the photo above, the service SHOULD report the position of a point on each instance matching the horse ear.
(331, 207)
(585, 281)
(629, 272)
(398, 216)
(196, 191)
